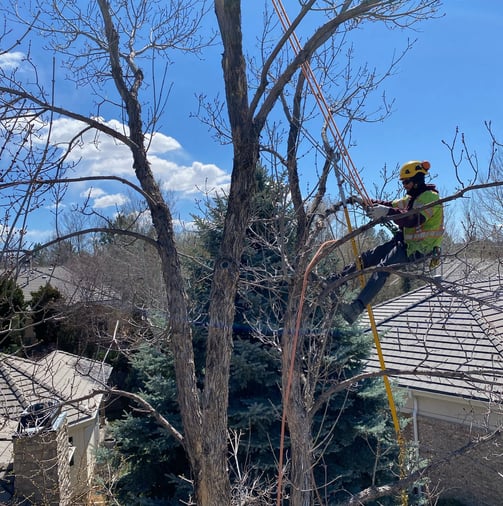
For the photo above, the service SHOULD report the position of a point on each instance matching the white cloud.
(190, 179)
(34, 236)
(98, 154)
(102, 199)
(112, 200)
(161, 143)
(22, 238)
(54, 206)
(9, 61)
(92, 193)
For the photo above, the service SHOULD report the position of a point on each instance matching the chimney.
(42, 455)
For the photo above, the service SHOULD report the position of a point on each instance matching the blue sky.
(450, 79)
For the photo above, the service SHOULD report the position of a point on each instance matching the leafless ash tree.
(113, 43)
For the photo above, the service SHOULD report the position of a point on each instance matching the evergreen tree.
(44, 306)
(149, 460)
(11, 313)
(350, 428)
(353, 425)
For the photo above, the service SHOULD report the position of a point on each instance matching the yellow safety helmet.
(410, 169)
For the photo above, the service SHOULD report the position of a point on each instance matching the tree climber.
(419, 235)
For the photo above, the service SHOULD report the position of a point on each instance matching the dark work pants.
(390, 253)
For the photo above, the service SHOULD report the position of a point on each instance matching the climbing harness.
(425, 264)
(351, 175)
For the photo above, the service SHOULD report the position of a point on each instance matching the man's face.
(408, 185)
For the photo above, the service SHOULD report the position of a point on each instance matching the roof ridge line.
(12, 384)
(34, 378)
(488, 329)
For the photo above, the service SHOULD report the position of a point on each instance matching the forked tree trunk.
(204, 415)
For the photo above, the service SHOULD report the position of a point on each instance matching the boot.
(350, 312)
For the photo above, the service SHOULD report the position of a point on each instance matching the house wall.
(473, 477)
(451, 408)
(55, 467)
(441, 425)
(94, 435)
(84, 437)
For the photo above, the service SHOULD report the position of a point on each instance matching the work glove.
(377, 211)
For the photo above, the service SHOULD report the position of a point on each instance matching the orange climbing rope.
(353, 178)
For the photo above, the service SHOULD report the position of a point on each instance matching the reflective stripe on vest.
(419, 235)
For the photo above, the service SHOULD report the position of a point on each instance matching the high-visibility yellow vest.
(427, 236)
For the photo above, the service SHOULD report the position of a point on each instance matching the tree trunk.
(222, 309)
(203, 445)
(299, 427)
(213, 488)
(205, 418)
(296, 408)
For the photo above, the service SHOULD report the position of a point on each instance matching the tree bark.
(214, 486)
(180, 331)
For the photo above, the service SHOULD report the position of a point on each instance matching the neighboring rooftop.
(59, 377)
(454, 325)
(74, 287)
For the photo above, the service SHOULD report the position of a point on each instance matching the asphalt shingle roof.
(74, 287)
(59, 376)
(450, 327)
